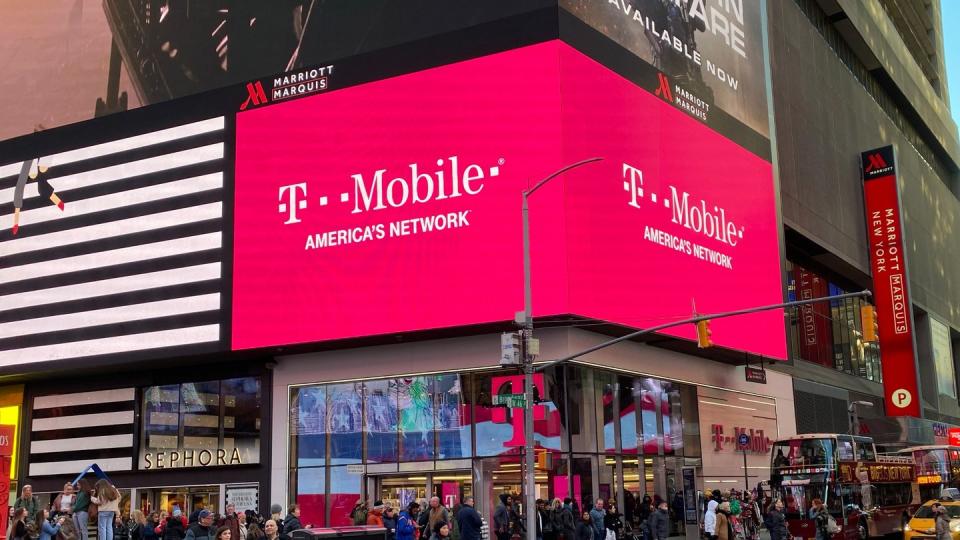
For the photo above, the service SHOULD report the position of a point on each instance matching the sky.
(950, 12)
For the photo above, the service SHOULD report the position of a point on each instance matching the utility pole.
(527, 345)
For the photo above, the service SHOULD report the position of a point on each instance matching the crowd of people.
(76, 507)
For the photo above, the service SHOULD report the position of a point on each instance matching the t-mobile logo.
(292, 202)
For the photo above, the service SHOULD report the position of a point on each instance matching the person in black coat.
(584, 527)
(469, 520)
(390, 523)
(292, 521)
(776, 523)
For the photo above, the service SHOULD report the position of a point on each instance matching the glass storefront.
(201, 424)
(607, 435)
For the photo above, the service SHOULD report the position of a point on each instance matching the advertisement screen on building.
(168, 50)
(395, 206)
(710, 53)
(113, 247)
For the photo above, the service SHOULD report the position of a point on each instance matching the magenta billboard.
(394, 206)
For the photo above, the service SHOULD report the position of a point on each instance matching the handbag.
(611, 535)
(92, 512)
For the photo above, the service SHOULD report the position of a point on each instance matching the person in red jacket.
(375, 516)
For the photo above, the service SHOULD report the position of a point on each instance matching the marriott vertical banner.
(888, 263)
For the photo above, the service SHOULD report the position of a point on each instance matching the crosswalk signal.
(868, 318)
(703, 334)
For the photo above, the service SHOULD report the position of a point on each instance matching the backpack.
(173, 530)
(832, 527)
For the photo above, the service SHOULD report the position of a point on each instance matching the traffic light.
(703, 334)
(868, 318)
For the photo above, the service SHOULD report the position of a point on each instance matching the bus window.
(845, 450)
(803, 452)
(865, 451)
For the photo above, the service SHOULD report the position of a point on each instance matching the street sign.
(514, 401)
(743, 441)
(755, 375)
(354, 469)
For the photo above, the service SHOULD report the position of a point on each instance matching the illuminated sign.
(394, 206)
(176, 459)
(890, 291)
(741, 438)
(863, 473)
(132, 259)
(929, 479)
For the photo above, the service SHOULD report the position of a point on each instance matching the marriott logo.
(697, 215)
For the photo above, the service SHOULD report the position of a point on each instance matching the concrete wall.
(825, 118)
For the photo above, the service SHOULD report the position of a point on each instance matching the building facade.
(285, 279)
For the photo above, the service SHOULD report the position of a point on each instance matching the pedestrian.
(195, 515)
(359, 513)
(724, 528)
(81, 508)
(292, 521)
(555, 514)
(242, 525)
(18, 525)
(469, 520)
(542, 518)
(644, 509)
(659, 523)
(437, 513)
(943, 524)
(710, 520)
(821, 519)
(224, 533)
(45, 529)
(584, 527)
(254, 532)
(63, 504)
(174, 527)
(597, 516)
(441, 531)
(28, 502)
(276, 514)
(107, 499)
(390, 522)
(150, 527)
(120, 529)
(568, 520)
(203, 529)
(231, 520)
(271, 530)
(501, 517)
(138, 524)
(776, 522)
(678, 508)
(375, 516)
(407, 522)
(612, 521)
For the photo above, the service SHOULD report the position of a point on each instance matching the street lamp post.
(527, 334)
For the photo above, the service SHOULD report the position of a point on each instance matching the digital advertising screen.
(113, 247)
(395, 206)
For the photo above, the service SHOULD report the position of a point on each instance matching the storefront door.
(399, 490)
(187, 499)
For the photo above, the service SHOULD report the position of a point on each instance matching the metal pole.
(698, 318)
(526, 335)
(530, 506)
(746, 479)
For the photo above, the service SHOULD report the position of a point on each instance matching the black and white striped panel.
(68, 432)
(132, 263)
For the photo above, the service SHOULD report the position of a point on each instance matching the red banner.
(816, 339)
(888, 263)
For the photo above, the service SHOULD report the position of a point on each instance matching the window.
(210, 423)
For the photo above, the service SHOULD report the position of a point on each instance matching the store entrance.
(186, 499)
(399, 490)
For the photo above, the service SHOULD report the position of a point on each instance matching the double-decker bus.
(938, 468)
(869, 495)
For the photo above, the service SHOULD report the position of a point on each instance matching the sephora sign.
(395, 206)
